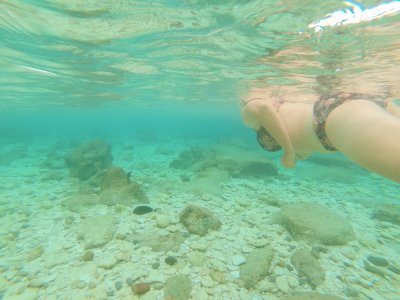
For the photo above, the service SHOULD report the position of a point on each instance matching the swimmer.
(365, 129)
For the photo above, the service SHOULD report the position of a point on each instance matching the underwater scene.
(133, 138)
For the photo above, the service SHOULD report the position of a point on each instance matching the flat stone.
(107, 262)
(315, 224)
(97, 231)
(257, 266)
(238, 260)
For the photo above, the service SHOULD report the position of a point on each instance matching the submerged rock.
(315, 224)
(308, 266)
(97, 231)
(387, 212)
(118, 188)
(256, 267)
(198, 220)
(88, 159)
(178, 287)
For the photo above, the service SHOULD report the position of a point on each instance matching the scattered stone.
(118, 285)
(282, 284)
(91, 285)
(163, 221)
(79, 201)
(308, 266)
(35, 283)
(257, 266)
(97, 231)
(375, 270)
(170, 260)
(313, 296)
(315, 224)
(158, 285)
(143, 209)
(207, 281)
(387, 212)
(238, 260)
(155, 265)
(196, 259)
(88, 256)
(81, 284)
(88, 159)
(378, 261)
(118, 188)
(199, 220)
(178, 287)
(302, 280)
(107, 262)
(258, 243)
(140, 288)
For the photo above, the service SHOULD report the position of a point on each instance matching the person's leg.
(393, 109)
(367, 135)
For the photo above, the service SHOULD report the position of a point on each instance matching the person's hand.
(289, 159)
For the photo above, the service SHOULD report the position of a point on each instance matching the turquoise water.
(160, 83)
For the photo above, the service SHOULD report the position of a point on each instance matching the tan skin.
(364, 132)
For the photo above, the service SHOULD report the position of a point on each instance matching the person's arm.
(261, 113)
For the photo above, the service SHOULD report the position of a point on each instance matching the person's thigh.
(367, 135)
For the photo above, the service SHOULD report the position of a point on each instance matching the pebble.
(258, 243)
(107, 262)
(207, 281)
(143, 209)
(88, 256)
(196, 259)
(154, 265)
(302, 280)
(170, 260)
(118, 285)
(378, 261)
(91, 285)
(36, 283)
(282, 284)
(140, 288)
(163, 221)
(199, 247)
(238, 260)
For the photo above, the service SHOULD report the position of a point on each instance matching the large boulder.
(88, 159)
(198, 220)
(387, 212)
(118, 188)
(315, 224)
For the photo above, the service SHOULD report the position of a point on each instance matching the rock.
(308, 266)
(163, 221)
(53, 175)
(370, 243)
(313, 296)
(170, 260)
(282, 284)
(47, 204)
(315, 224)
(160, 243)
(97, 231)
(198, 220)
(36, 283)
(118, 285)
(207, 281)
(79, 201)
(257, 266)
(378, 261)
(140, 288)
(56, 259)
(88, 256)
(143, 209)
(196, 259)
(88, 159)
(107, 262)
(238, 260)
(387, 212)
(118, 188)
(178, 287)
